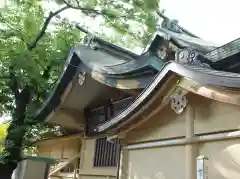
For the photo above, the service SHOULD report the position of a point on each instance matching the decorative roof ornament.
(89, 40)
(179, 101)
(189, 57)
(81, 78)
(94, 45)
(163, 50)
(172, 25)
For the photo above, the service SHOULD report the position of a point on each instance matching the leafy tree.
(29, 66)
(133, 21)
(32, 57)
(3, 133)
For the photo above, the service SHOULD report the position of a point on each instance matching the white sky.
(213, 20)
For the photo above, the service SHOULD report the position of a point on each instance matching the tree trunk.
(14, 138)
(7, 169)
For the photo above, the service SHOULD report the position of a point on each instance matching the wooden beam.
(63, 164)
(190, 164)
(66, 92)
(74, 113)
(164, 93)
(62, 98)
(74, 118)
(183, 141)
(61, 138)
(225, 95)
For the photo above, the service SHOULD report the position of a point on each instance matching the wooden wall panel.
(156, 163)
(210, 116)
(59, 149)
(224, 158)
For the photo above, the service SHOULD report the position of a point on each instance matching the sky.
(212, 20)
(2, 3)
(217, 21)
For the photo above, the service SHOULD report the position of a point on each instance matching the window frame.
(107, 153)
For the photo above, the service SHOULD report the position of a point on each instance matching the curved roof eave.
(74, 62)
(54, 99)
(204, 76)
(114, 71)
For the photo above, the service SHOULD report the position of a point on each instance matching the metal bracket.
(179, 100)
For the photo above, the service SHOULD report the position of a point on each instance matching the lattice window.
(107, 153)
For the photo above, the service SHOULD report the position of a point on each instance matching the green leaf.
(151, 4)
(112, 13)
(90, 3)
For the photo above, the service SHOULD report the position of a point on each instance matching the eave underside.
(70, 113)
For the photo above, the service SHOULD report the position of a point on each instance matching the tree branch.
(14, 31)
(84, 10)
(33, 44)
(13, 83)
(89, 10)
(4, 77)
(8, 34)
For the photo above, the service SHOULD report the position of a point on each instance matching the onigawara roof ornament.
(172, 25)
(89, 38)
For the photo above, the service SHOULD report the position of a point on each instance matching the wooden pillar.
(123, 164)
(190, 148)
(81, 162)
